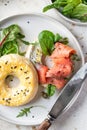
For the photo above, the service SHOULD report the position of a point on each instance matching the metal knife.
(65, 97)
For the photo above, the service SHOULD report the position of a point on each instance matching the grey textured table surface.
(76, 117)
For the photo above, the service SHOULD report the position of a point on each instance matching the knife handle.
(44, 125)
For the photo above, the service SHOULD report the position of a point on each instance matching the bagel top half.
(24, 70)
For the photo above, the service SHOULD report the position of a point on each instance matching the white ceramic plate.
(73, 21)
(32, 25)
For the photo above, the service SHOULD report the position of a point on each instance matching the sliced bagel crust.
(24, 70)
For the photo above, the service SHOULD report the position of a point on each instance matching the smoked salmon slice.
(59, 83)
(62, 60)
(62, 65)
(62, 50)
(41, 70)
(61, 68)
(59, 71)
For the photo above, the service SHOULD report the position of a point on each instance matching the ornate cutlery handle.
(44, 125)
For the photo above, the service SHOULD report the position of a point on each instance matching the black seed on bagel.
(15, 67)
(9, 98)
(27, 77)
(21, 69)
(26, 72)
(6, 62)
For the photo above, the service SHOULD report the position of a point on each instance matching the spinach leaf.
(46, 40)
(10, 38)
(59, 38)
(19, 36)
(50, 91)
(56, 4)
(48, 7)
(71, 8)
(4, 39)
(71, 4)
(64, 40)
(10, 47)
(84, 2)
(14, 31)
(80, 12)
(28, 43)
(25, 42)
(14, 34)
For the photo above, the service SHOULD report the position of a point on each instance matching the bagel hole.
(12, 81)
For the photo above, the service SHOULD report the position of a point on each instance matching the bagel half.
(24, 70)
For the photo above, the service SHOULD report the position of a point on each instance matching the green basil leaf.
(46, 40)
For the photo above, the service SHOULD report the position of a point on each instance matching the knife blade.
(65, 97)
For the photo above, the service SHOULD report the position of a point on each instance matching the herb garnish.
(10, 39)
(59, 38)
(47, 41)
(49, 91)
(76, 9)
(26, 111)
(10, 47)
(3, 40)
(75, 57)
